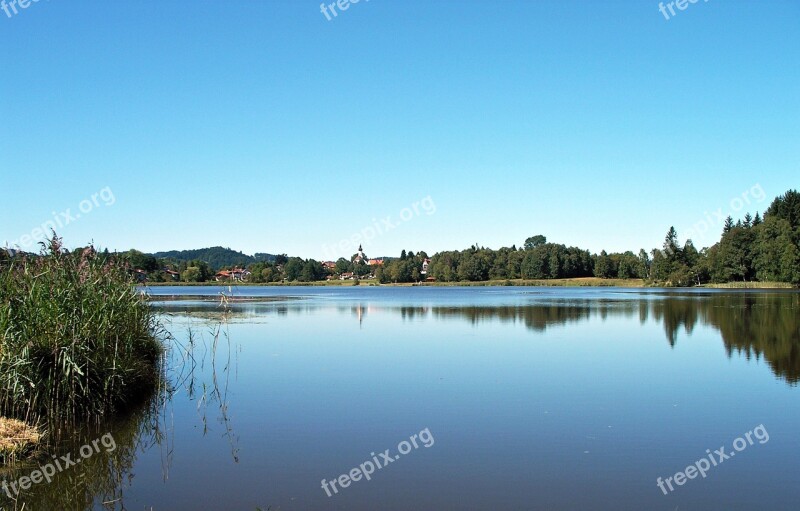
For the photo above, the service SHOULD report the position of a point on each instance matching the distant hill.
(216, 257)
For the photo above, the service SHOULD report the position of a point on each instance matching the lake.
(486, 398)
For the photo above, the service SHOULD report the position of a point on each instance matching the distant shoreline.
(750, 285)
(574, 282)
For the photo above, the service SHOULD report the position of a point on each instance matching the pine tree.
(671, 248)
(787, 206)
(728, 225)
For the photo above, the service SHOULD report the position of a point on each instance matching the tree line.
(753, 248)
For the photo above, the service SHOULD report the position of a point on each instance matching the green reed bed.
(76, 341)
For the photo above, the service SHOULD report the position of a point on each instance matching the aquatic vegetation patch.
(76, 340)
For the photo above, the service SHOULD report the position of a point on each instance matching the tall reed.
(76, 341)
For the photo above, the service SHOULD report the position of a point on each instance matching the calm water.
(573, 399)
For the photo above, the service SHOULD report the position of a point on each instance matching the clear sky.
(265, 127)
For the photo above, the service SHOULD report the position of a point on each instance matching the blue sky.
(265, 127)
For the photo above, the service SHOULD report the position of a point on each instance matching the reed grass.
(76, 340)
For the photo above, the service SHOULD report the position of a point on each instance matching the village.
(332, 269)
(281, 269)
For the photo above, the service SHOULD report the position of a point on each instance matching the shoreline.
(576, 282)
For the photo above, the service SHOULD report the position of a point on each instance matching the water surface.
(535, 398)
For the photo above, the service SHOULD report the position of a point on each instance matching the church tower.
(360, 255)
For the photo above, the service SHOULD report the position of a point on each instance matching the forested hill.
(215, 257)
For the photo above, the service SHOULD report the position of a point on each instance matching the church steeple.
(359, 256)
